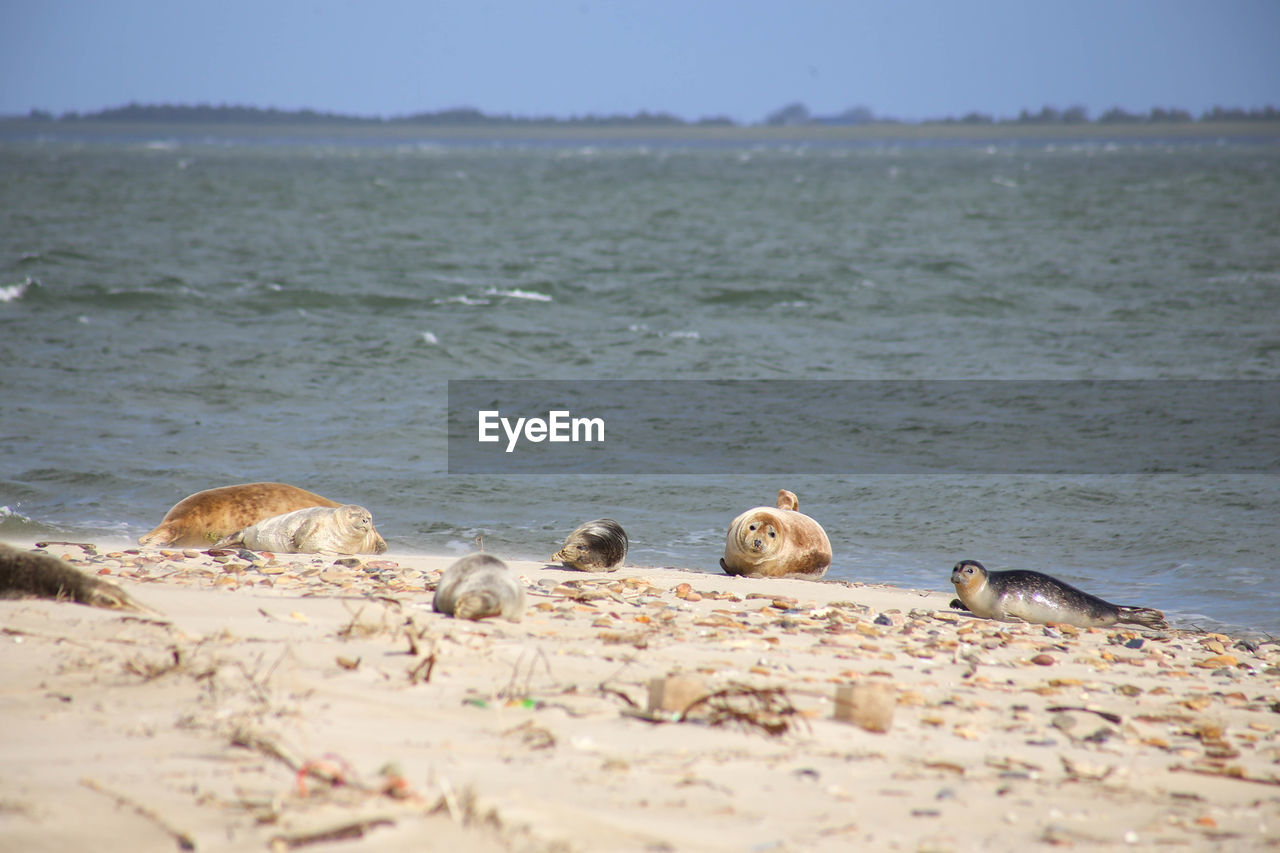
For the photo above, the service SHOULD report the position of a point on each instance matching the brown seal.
(597, 546)
(1020, 595)
(205, 517)
(25, 573)
(348, 529)
(478, 586)
(765, 542)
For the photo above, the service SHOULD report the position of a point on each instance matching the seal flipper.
(957, 604)
(477, 605)
(233, 540)
(1141, 616)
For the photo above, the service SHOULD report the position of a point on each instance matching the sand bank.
(286, 702)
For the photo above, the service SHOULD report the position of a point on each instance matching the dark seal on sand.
(31, 573)
(597, 546)
(1032, 597)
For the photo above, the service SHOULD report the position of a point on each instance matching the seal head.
(776, 542)
(479, 586)
(597, 546)
(1027, 596)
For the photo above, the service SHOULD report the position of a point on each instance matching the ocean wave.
(462, 299)
(516, 293)
(14, 292)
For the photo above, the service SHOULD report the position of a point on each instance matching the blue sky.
(911, 59)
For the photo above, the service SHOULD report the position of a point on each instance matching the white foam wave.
(516, 293)
(429, 338)
(14, 292)
(9, 512)
(460, 300)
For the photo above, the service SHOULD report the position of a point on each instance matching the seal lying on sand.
(477, 586)
(1033, 597)
(25, 573)
(205, 517)
(597, 546)
(347, 529)
(776, 543)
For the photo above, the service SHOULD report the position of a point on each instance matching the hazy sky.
(911, 59)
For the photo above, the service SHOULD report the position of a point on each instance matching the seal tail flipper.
(1142, 616)
(114, 598)
(234, 540)
(477, 605)
(160, 537)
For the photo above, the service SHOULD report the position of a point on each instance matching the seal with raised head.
(24, 573)
(347, 529)
(1021, 595)
(781, 542)
(478, 586)
(597, 546)
(205, 517)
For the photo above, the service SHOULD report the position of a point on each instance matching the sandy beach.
(293, 701)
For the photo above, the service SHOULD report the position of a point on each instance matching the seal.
(205, 517)
(1021, 595)
(24, 573)
(478, 586)
(597, 546)
(347, 529)
(781, 542)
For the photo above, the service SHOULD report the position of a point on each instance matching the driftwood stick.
(185, 842)
(344, 832)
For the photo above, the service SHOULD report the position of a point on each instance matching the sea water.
(178, 314)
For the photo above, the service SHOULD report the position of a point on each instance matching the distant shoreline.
(17, 129)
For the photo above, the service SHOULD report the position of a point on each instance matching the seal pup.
(24, 573)
(1021, 595)
(478, 586)
(347, 529)
(781, 542)
(205, 517)
(597, 546)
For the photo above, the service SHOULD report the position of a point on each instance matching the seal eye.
(772, 535)
(752, 528)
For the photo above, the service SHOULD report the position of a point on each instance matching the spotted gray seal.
(24, 573)
(781, 542)
(201, 519)
(347, 529)
(1021, 595)
(596, 546)
(478, 586)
